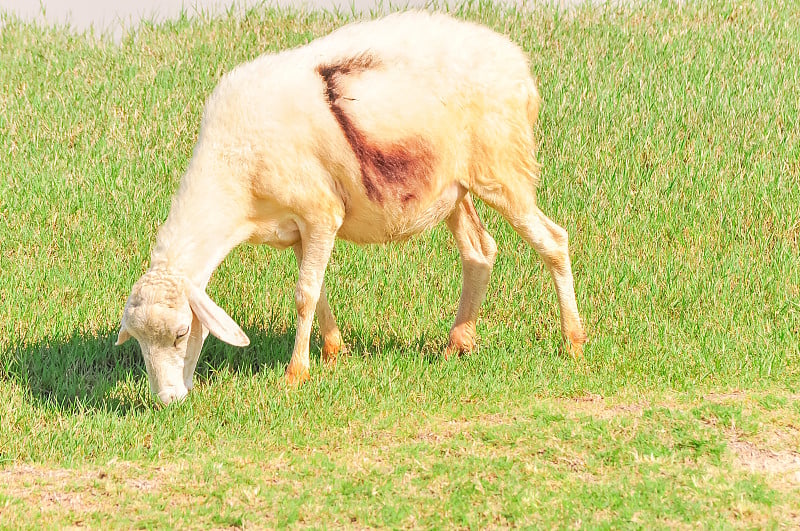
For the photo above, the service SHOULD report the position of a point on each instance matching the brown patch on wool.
(403, 167)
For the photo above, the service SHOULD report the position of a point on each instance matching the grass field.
(670, 143)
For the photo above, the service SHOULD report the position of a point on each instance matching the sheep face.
(170, 318)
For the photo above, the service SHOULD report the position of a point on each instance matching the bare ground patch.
(54, 497)
(782, 467)
(47, 488)
(781, 470)
(600, 407)
(80, 492)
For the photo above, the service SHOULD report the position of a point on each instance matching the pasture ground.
(670, 144)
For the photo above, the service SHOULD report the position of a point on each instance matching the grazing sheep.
(374, 133)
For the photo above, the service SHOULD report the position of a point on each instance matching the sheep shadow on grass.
(88, 372)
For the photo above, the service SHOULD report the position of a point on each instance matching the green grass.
(670, 143)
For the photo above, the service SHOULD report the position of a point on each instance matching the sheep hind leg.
(331, 336)
(478, 250)
(316, 252)
(516, 201)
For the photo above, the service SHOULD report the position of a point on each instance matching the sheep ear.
(123, 336)
(215, 319)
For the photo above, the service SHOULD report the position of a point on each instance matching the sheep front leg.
(331, 337)
(316, 251)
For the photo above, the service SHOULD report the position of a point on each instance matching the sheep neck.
(197, 235)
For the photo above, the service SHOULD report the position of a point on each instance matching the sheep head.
(170, 318)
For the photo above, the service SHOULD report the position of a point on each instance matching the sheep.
(374, 133)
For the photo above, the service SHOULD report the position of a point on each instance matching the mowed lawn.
(670, 144)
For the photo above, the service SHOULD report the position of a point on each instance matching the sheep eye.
(181, 333)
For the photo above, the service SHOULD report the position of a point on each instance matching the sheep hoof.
(296, 375)
(574, 345)
(462, 340)
(453, 350)
(456, 348)
(331, 348)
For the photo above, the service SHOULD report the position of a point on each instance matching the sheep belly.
(371, 225)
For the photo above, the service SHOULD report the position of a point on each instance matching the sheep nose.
(168, 396)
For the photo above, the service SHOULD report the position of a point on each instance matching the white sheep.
(372, 134)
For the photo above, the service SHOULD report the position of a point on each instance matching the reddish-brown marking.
(402, 167)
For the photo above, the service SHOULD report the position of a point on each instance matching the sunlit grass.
(670, 144)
